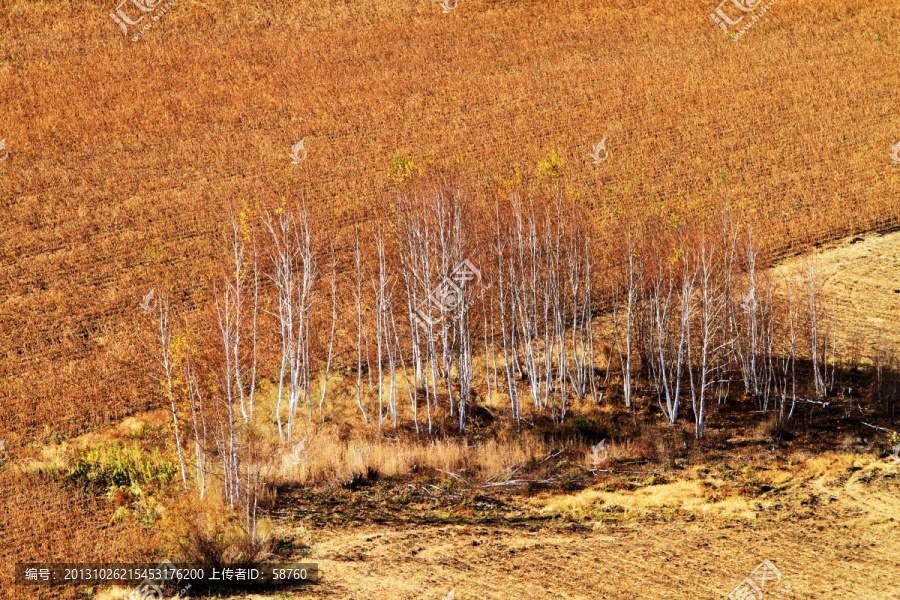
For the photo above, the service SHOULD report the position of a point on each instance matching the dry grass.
(695, 536)
(688, 496)
(717, 490)
(327, 458)
(858, 274)
(114, 593)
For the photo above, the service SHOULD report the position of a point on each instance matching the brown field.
(123, 156)
(844, 544)
(861, 274)
(828, 521)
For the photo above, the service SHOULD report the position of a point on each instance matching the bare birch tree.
(167, 364)
(359, 339)
(818, 380)
(334, 315)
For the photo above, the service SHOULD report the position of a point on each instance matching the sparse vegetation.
(121, 466)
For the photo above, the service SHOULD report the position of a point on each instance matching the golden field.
(121, 155)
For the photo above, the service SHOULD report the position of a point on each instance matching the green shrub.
(119, 465)
(581, 426)
(588, 430)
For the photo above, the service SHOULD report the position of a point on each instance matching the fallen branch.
(877, 427)
(518, 482)
(454, 475)
(552, 455)
(497, 475)
(808, 401)
(628, 472)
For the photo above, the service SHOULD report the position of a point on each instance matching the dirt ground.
(832, 532)
(828, 521)
(862, 275)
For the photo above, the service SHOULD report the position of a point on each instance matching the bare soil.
(832, 534)
(861, 274)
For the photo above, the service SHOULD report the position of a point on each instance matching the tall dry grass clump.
(208, 533)
(326, 458)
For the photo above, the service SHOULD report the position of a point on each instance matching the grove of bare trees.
(442, 301)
